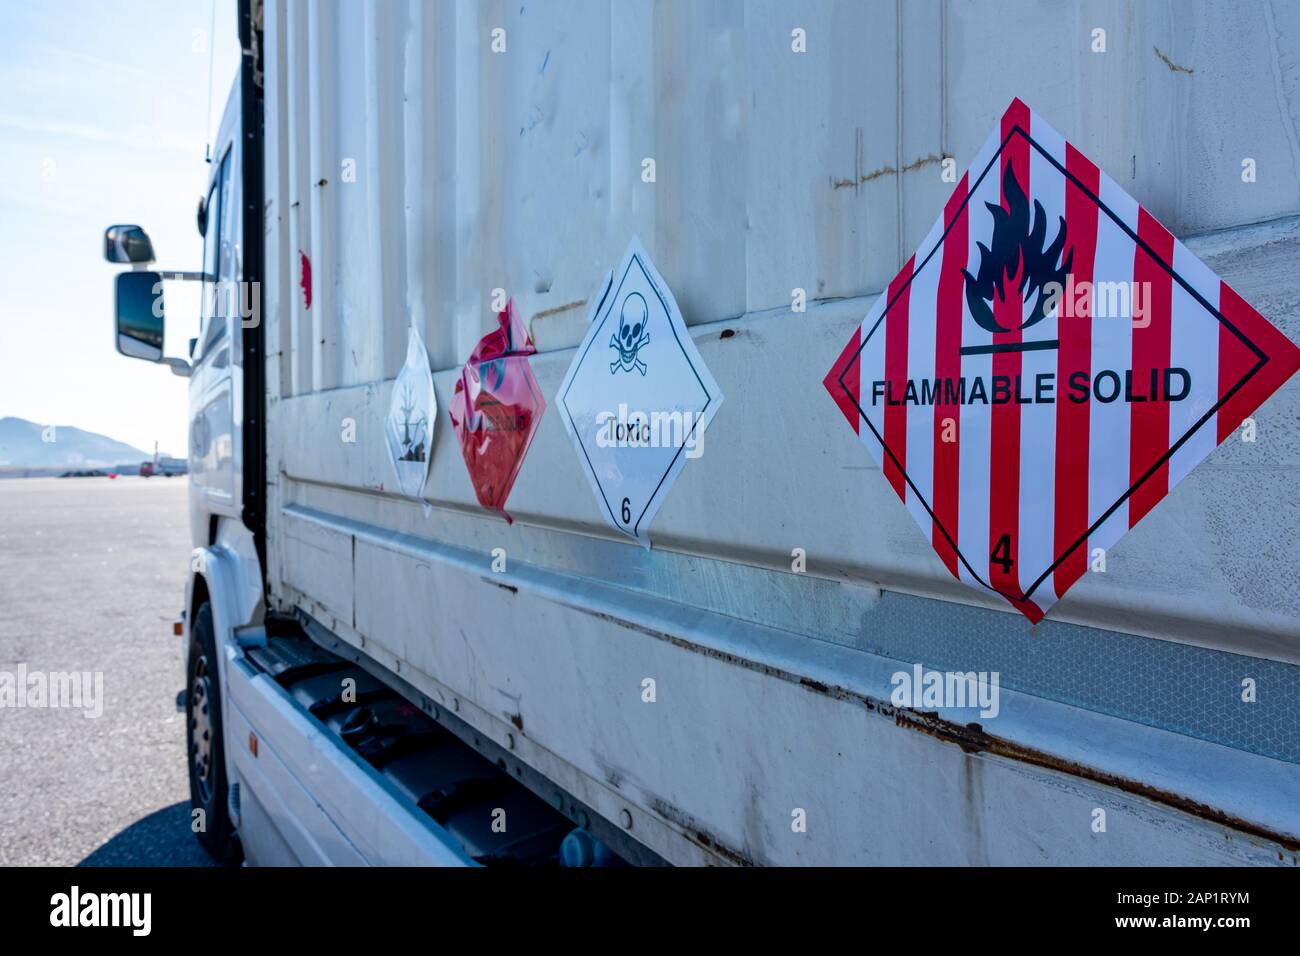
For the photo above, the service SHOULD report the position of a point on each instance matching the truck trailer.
(380, 677)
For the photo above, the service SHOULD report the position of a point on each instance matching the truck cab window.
(215, 262)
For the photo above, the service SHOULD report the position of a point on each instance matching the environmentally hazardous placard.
(412, 411)
(1047, 366)
(637, 398)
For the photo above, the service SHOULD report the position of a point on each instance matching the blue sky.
(103, 119)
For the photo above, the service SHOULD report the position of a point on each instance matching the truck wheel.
(205, 746)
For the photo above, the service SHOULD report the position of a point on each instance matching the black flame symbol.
(1017, 259)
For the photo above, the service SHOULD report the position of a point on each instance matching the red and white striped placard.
(1047, 366)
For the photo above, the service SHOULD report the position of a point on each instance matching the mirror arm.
(178, 366)
(185, 276)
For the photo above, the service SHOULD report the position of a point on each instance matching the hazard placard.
(495, 409)
(1047, 366)
(412, 412)
(637, 397)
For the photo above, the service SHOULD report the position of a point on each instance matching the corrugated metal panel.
(772, 166)
(521, 170)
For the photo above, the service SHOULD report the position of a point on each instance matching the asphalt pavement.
(92, 575)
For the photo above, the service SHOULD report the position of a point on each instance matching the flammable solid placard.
(1047, 366)
(637, 398)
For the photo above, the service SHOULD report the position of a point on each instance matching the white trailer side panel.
(414, 171)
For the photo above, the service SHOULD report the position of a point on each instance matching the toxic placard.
(638, 397)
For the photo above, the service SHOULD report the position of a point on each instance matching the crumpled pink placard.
(495, 409)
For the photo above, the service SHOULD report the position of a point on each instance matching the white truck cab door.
(213, 443)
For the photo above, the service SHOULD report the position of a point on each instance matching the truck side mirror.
(127, 244)
(141, 319)
(140, 315)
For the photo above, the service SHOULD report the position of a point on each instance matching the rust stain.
(885, 171)
(700, 837)
(876, 174)
(857, 165)
(972, 739)
(558, 309)
(923, 161)
(1173, 67)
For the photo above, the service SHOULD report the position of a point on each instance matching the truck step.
(496, 819)
(293, 658)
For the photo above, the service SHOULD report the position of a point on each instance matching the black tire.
(204, 745)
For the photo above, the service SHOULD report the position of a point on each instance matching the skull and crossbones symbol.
(632, 335)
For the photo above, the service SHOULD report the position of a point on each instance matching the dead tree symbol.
(413, 452)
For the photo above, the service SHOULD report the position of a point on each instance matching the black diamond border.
(1017, 130)
(564, 399)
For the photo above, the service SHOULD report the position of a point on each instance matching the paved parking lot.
(92, 574)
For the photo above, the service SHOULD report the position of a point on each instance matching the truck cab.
(214, 364)
(286, 766)
(219, 536)
(217, 370)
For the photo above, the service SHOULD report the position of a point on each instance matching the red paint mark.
(1075, 355)
(896, 318)
(1004, 470)
(306, 279)
(1149, 419)
(947, 364)
(1280, 360)
(848, 396)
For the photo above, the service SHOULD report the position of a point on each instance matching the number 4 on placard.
(1002, 554)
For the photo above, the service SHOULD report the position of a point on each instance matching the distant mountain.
(25, 444)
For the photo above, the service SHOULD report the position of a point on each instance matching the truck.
(163, 465)
(376, 678)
